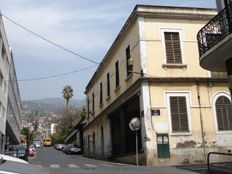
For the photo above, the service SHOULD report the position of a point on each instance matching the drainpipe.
(201, 120)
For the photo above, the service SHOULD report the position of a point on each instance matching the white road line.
(91, 165)
(54, 166)
(5, 172)
(107, 165)
(73, 166)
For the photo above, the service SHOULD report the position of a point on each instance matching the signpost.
(135, 125)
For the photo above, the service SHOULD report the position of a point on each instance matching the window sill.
(92, 114)
(128, 77)
(117, 89)
(170, 65)
(224, 132)
(101, 105)
(181, 133)
(108, 98)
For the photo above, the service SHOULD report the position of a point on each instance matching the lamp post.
(134, 125)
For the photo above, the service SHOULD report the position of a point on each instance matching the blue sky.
(86, 27)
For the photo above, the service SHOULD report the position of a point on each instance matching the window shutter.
(173, 49)
(179, 115)
(127, 58)
(116, 74)
(224, 113)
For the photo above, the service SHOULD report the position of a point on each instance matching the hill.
(50, 104)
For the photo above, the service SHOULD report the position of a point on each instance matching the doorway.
(163, 146)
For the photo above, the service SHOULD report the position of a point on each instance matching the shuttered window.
(179, 114)
(224, 113)
(93, 103)
(127, 58)
(173, 48)
(101, 94)
(116, 74)
(108, 84)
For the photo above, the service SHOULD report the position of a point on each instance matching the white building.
(4, 76)
(53, 128)
(10, 102)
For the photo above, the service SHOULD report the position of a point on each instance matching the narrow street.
(56, 162)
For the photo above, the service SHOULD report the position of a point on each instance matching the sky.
(87, 28)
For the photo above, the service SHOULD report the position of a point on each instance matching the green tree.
(29, 138)
(69, 116)
(67, 93)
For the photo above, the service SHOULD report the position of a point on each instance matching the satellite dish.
(135, 124)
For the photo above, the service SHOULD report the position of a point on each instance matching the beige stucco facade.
(107, 135)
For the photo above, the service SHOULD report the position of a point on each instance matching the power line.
(56, 75)
(49, 41)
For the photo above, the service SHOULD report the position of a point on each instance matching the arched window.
(223, 113)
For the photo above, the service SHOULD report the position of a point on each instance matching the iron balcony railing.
(215, 30)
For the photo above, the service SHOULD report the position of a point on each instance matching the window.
(172, 47)
(93, 107)
(3, 52)
(116, 74)
(108, 84)
(1, 107)
(1, 81)
(5, 87)
(127, 58)
(88, 111)
(179, 114)
(3, 111)
(223, 113)
(101, 95)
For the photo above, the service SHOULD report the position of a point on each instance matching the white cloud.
(84, 30)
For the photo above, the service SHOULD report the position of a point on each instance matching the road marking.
(54, 166)
(5, 172)
(91, 165)
(73, 166)
(107, 165)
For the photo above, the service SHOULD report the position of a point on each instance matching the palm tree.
(67, 93)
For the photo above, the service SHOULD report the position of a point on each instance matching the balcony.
(215, 41)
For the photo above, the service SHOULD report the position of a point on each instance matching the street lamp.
(131, 65)
(135, 125)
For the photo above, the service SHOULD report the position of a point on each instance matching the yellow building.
(183, 108)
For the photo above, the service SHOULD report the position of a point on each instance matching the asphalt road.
(57, 162)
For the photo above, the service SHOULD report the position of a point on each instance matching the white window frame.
(176, 30)
(188, 99)
(215, 97)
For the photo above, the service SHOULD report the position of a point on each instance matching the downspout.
(201, 121)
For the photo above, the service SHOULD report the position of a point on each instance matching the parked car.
(18, 151)
(37, 143)
(72, 149)
(31, 151)
(59, 146)
(12, 165)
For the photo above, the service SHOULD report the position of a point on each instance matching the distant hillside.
(50, 104)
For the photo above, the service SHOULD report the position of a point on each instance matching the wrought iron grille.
(215, 30)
